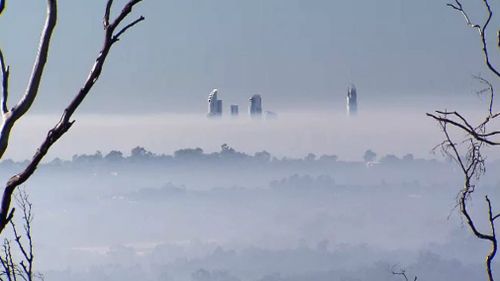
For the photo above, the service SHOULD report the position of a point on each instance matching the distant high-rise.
(214, 104)
(255, 108)
(352, 100)
(234, 110)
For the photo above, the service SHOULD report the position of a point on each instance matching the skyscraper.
(234, 110)
(214, 104)
(255, 108)
(352, 100)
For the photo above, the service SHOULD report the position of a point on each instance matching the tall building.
(352, 100)
(234, 110)
(255, 108)
(214, 104)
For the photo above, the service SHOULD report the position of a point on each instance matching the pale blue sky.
(290, 51)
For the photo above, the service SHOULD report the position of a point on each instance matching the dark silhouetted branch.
(22, 270)
(472, 162)
(65, 121)
(403, 274)
(5, 83)
(481, 29)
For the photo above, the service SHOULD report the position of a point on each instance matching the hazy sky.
(291, 51)
(300, 55)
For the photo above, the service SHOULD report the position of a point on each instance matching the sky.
(405, 57)
(298, 54)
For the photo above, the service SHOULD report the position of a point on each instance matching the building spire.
(352, 100)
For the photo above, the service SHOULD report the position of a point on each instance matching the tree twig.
(65, 121)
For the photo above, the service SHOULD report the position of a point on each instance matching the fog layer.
(292, 134)
(228, 215)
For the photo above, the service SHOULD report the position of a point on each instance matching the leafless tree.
(467, 152)
(114, 29)
(22, 270)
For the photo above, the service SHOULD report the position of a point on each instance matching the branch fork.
(9, 117)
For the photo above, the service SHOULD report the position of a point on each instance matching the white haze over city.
(294, 133)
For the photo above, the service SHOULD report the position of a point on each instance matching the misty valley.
(250, 140)
(229, 215)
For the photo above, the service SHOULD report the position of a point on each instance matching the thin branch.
(127, 9)
(496, 217)
(472, 167)
(23, 269)
(10, 261)
(107, 13)
(65, 121)
(450, 144)
(5, 69)
(481, 30)
(494, 242)
(470, 222)
(23, 201)
(489, 88)
(123, 30)
(403, 274)
(467, 128)
(477, 137)
(4, 260)
(458, 6)
(24, 104)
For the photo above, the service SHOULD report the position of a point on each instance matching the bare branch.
(494, 243)
(36, 76)
(459, 116)
(467, 128)
(458, 6)
(65, 122)
(403, 274)
(116, 37)
(127, 9)
(481, 30)
(24, 104)
(8, 262)
(11, 261)
(5, 83)
(496, 217)
(472, 167)
(5, 261)
(107, 13)
(13, 269)
(22, 200)
(489, 88)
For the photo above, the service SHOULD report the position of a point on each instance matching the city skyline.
(221, 140)
(180, 52)
(255, 109)
(216, 109)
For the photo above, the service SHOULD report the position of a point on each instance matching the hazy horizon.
(389, 129)
(292, 52)
(243, 199)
